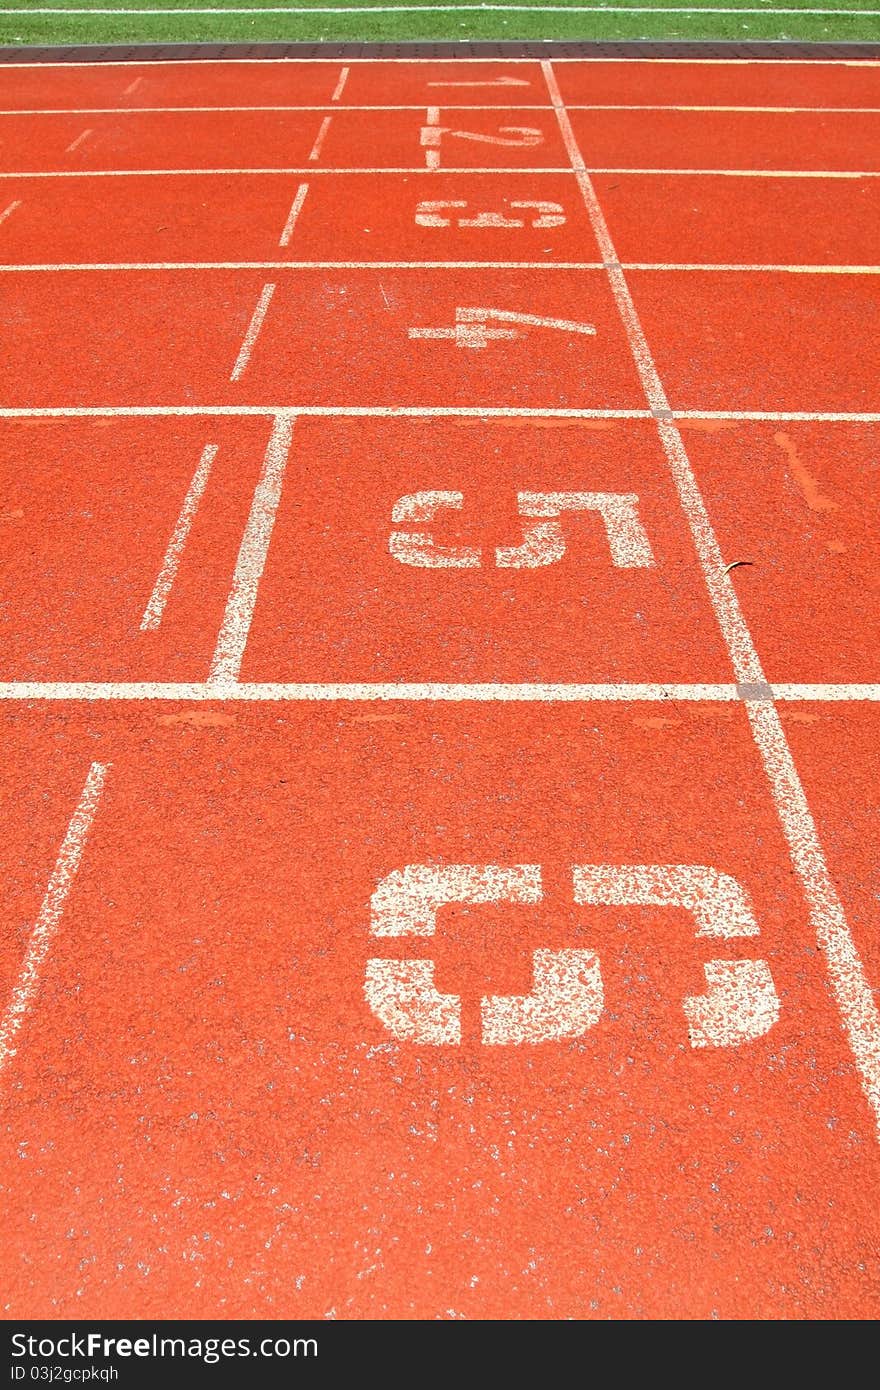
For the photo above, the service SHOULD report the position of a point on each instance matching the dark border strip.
(193, 52)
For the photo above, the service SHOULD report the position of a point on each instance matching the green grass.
(170, 23)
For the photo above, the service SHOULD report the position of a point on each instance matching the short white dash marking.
(253, 329)
(132, 87)
(74, 144)
(319, 142)
(295, 210)
(8, 211)
(340, 85)
(231, 642)
(64, 873)
(167, 574)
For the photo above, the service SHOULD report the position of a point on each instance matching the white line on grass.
(179, 536)
(236, 625)
(303, 11)
(63, 875)
(295, 210)
(340, 85)
(855, 1001)
(315, 152)
(253, 329)
(8, 211)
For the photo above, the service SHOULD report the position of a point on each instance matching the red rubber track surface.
(242, 390)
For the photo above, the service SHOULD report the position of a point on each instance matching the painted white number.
(513, 136)
(471, 328)
(432, 213)
(543, 542)
(567, 997)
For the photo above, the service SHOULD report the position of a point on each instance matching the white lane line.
(315, 152)
(253, 329)
(8, 211)
(340, 85)
(327, 171)
(179, 536)
(305, 11)
(74, 144)
(839, 691)
(811, 63)
(63, 875)
(855, 1002)
(447, 106)
(132, 87)
(482, 692)
(476, 412)
(507, 170)
(295, 210)
(236, 625)
(322, 691)
(744, 268)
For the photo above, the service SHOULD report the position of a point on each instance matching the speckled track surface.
(439, 688)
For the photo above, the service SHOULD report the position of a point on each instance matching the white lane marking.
(447, 106)
(486, 82)
(74, 144)
(849, 986)
(624, 692)
(732, 267)
(179, 536)
(476, 412)
(295, 210)
(132, 87)
(488, 692)
(8, 211)
(854, 996)
(60, 883)
(232, 640)
(511, 169)
(253, 329)
(340, 85)
(315, 152)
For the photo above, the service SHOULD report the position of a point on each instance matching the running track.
(435, 883)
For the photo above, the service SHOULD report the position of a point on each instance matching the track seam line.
(167, 574)
(849, 985)
(295, 210)
(236, 625)
(65, 870)
(253, 330)
(315, 152)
